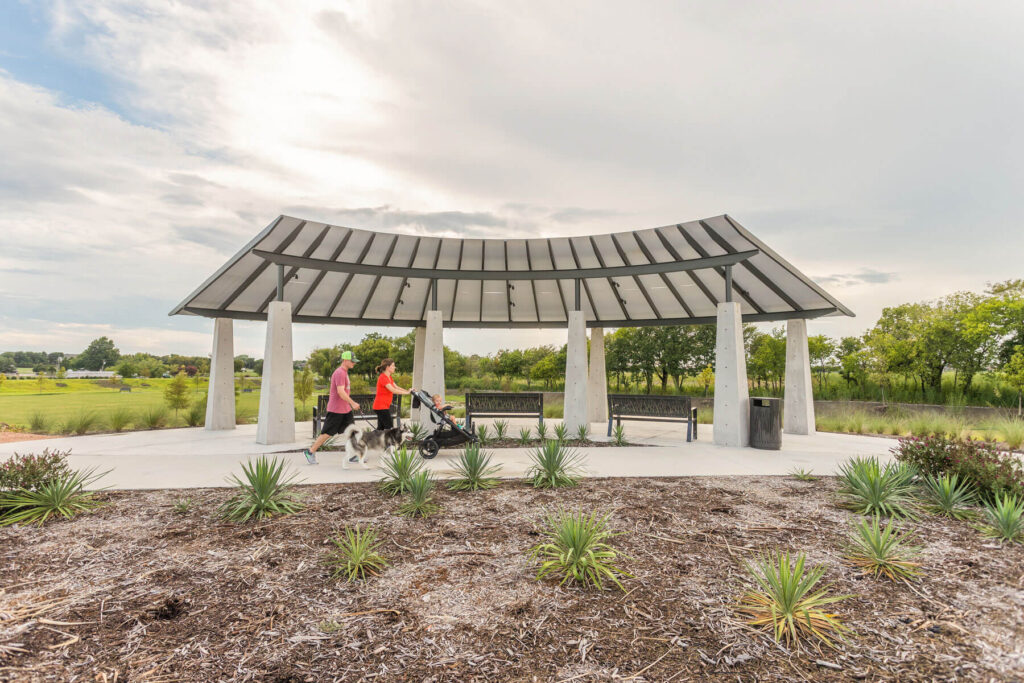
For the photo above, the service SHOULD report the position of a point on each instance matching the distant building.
(89, 374)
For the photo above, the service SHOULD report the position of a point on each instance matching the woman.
(386, 390)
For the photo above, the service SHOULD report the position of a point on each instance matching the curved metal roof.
(673, 275)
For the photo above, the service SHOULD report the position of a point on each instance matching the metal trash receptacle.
(766, 423)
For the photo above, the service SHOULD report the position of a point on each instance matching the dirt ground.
(136, 592)
(11, 437)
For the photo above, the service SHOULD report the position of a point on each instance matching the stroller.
(446, 433)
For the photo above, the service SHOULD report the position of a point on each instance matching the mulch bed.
(136, 592)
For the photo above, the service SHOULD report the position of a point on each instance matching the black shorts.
(384, 418)
(335, 423)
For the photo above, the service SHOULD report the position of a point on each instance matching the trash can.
(766, 423)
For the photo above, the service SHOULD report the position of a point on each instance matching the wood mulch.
(137, 592)
(11, 437)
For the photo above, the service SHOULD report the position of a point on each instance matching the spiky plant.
(867, 487)
(619, 436)
(356, 554)
(417, 431)
(583, 432)
(474, 471)
(483, 434)
(399, 468)
(950, 496)
(542, 431)
(264, 491)
(525, 436)
(419, 503)
(575, 548)
(182, 505)
(561, 433)
(153, 418)
(883, 551)
(788, 602)
(801, 474)
(1004, 519)
(82, 422)
(500, 429)
(119, 418)
(63, 495)
(554, 466)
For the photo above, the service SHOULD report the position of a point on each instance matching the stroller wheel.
(429, 448)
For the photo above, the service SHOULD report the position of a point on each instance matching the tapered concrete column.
(420, 337)
(798, 404)
(433, 355)
(220, 399)
(575, 411)
(277, 392)
(732, 409)
(597, 380)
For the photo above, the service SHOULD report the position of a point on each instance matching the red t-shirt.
(382, 401)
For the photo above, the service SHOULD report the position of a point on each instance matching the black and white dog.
(359, 443)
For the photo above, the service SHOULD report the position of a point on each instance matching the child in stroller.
(447, 433)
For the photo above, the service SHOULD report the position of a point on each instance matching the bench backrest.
(649, 406)
(495, 403)
(365, 402)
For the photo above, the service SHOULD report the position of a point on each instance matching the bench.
(365, 411)
(652, 409)
(126, 388)
(498, 404)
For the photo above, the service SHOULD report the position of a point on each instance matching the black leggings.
(384, 418)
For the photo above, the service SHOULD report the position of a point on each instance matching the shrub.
(583, 432)
(542, 431)
(948, 495)
(182, 505)
(419, 503)
(1004, 519)
(416, 431)
(980, 463)
(32, 471)
(561, 432)
(119, 418)
(575, 548)
(619, 436)
(869, 488)
(62, 495)
(787, 602)
(399, 468)
(154, 418)
(39, 423)
(82, 422)
(264, 492)
(1011, 430)
(474, 470)
(500, 429)
(483, 434)
(524, 436)
(195, 415)
(879, 551)
(356, 554)
(554, 466)
(800, 474)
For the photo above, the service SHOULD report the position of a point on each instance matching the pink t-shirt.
(335, 404)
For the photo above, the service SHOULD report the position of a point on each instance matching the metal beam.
(459, 274)
(754, 270)
(262, 267)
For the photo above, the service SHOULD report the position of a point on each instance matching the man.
(339, 406)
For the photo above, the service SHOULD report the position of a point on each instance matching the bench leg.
(609, 426)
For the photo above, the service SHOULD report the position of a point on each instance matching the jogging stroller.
(446, 433)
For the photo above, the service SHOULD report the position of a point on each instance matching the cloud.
(864, 276)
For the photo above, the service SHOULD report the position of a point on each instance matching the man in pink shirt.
(339, 406)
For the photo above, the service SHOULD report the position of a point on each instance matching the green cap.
(347, 355)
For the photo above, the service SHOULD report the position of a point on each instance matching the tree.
(176, 392)
(853, 360)
(99, 354)
(820, 349)
(127, 368)
(1014, 373)
(304, 385)
(403, 350)
(706, 378)
(325, 361)
(545, 370)
(374, 348)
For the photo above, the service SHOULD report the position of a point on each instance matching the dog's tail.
(349, 432)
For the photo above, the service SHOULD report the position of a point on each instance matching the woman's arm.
(395, 389)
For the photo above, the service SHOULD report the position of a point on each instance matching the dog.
(380, 441)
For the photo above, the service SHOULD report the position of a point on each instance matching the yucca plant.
(419, 503)
(119, 418)
(1004, 519)
(63, 495)
(867, 487)
(154, 418)
(525, 436)
(356, 554)
(619, 436)
(399, 468)
(788, 601)
(474, 471)
(554, 466)
(542, 431)
(417, 431)
(883, 551)
(950, 496)
(483, 434)
(561, 432)
(801, 474)
(500, 429)
(82, 422)
(583, 432)
(265, 491)
(575, 548)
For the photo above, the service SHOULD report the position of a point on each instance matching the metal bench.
(365, 411)
(498, 404)
(125, 387)
(652, 409)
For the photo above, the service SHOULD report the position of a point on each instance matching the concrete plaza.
(195, 457)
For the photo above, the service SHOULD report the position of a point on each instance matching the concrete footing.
(576, 373)
(732, 409)
(220, 399)
(798, 404)
(277, 391)
(597, 380)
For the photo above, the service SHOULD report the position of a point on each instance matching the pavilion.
(700, 272)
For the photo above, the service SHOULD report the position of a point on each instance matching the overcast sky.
(877, 146)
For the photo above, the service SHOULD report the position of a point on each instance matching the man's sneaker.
(354, 458)
(310, 456)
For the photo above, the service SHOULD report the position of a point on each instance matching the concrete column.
(220, 399)
(597, 380)
(433, 355)
(277, 392)
(576, 373)
(798, 404)
(420, 336)
(732, 408)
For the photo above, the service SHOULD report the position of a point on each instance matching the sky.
(876, 146)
